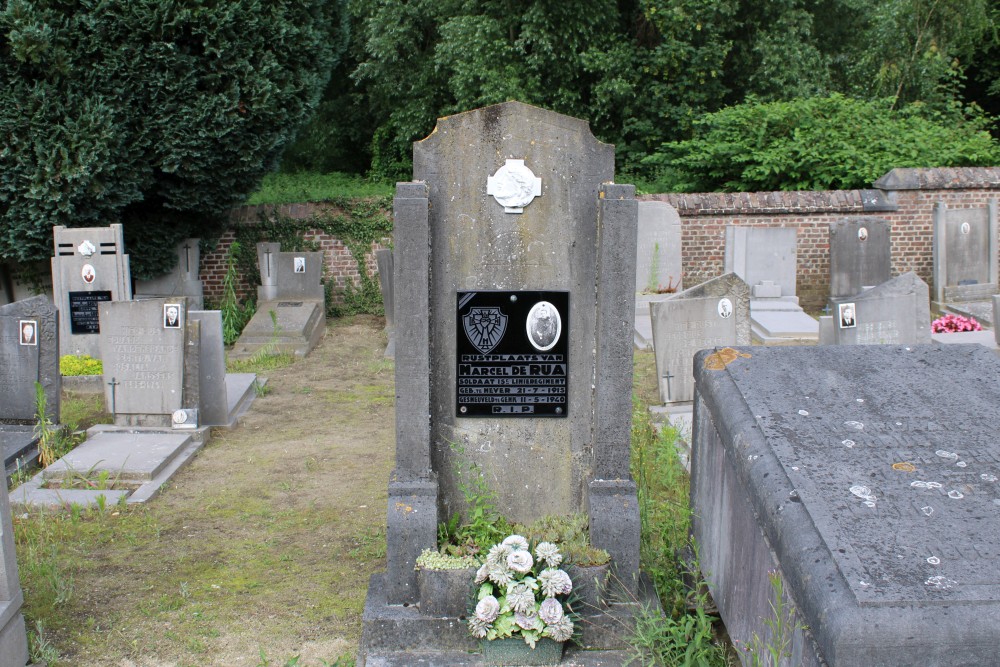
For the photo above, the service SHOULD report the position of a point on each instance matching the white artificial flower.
(516, 542)
(550, 611)
(549, 553)
(520, 561)
(488, 609)
(561, 630)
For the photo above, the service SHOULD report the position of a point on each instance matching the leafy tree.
(158, 114)
(817, 144)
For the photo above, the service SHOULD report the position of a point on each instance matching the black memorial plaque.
(512, 354)
(83, 317)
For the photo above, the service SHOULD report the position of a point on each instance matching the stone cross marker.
(860, 255)
(182, 280)
(510, 222)
(965, 253)
(713, 314)
(868, 479)
(89, 267)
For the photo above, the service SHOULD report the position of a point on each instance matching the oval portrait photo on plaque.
(544, 326)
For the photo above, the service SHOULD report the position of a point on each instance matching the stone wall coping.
(941, 178)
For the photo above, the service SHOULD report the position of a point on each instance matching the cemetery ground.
(260, 550)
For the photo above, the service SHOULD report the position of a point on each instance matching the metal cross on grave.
(267, 257)
(114, 384)
(187, 258)
(667, 377)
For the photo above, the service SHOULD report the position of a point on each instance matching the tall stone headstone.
(511, 221)
(182, 280)
(764, 257)
(213, 399)
(658, 248)
(897, 312)
(865, 479)
(713, 314)
(383, 258)
(13, 637)
(89, 267)
(860, 255)
(29, 354)
(965, 253)
(143, 349)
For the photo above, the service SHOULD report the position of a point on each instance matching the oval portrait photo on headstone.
(966, 228)
(725, 308)
(88, 274)
(544, 326)
(863, 234)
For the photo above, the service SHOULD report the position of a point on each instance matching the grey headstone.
(383, 257)
(713, 314)
(183, 280)
(213, 406)
(23, 365)
(267, 262)
(13, 639)
(288, 276)
(758, 254)
(860, 255)
(867, 480)
(965, 253)
(996, 317)
(90, 266)
(658, 248)
(143, 361)
(897, 312)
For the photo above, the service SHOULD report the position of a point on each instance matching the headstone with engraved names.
(866, 482)
(965, 254)
(713, 314)
(860, 255)
(897, 312)
(182, 280)
(89, 267)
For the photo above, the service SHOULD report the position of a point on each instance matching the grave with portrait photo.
(182, 280)
(28, 355)
(291, 306)
(713, 314)
(657, 263)
(766, 259)
(897, 312)
(965, 260)
(860, 255)
(859, 483)
(89, 267)
(522, 366)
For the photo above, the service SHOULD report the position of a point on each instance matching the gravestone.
(143, 346)
(28, 354)
(222, 397)
(13, 637)
(897, 312)
(383, 257)
(514, 364)
(765, 258)
(713, 314)
(182, 280)
(965, 255)
(291, 306)
(658, 263)
(860, 255)
(996, 317)
(865, 479)
(89, 267)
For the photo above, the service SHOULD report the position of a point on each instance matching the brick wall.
(904, 197)
(339, 264)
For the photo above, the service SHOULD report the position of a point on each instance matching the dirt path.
(264, 544)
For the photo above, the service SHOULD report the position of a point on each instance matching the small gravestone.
(291, 306)
(182, 280)
(28, 354)
(864, 479)
(222, 396)
(383, 258)
(13, 639)
(143, 348)
(965, 259)
(897, 312)
(765, 258)
(860, 255)
(515, 287)
(713, 314)
(89, 267)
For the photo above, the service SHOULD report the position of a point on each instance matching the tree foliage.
(818, 144)
(159, 114)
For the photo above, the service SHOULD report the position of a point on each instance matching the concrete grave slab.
(18, 444)
(297, 328)
(838, 470)
(126, 456)
(981, 311)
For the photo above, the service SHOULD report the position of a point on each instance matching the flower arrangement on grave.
(522, 593)
(951, 323)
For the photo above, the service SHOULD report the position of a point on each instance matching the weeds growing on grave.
(482, 524)
(267, 358)
(52, 440)
(83, 364)
(781, 625)
(234, 314)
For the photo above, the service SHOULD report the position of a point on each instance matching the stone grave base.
(240, 393)
(781, 321)
(300, 326)
(643, 333)
(140, 459)
(981, 311)
(985, 338)
(19, 446)
(401, 636)
(13, 643)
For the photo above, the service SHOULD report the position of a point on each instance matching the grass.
(312, 187)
